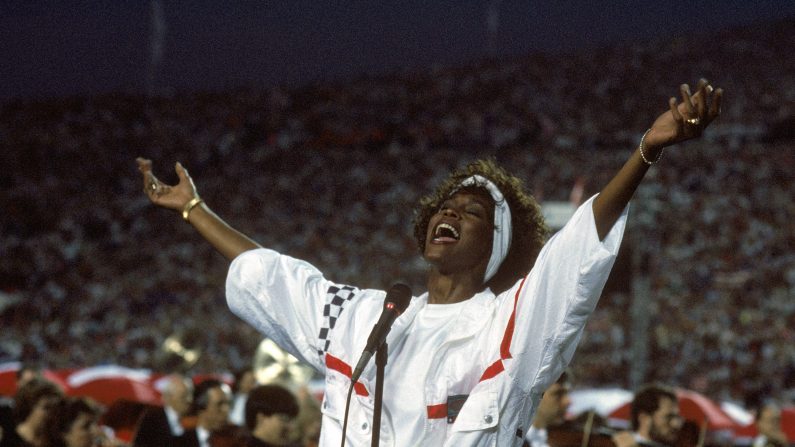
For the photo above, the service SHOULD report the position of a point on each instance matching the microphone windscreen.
(399, 295)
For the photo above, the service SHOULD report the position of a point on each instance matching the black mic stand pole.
(380, 364)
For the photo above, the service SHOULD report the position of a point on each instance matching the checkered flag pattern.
(336, 299)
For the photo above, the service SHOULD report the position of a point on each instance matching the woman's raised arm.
(184, 198)
(683, 121)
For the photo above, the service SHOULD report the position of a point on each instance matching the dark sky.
(56, 48)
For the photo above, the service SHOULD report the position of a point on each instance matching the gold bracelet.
(643, 156)
(189, 206)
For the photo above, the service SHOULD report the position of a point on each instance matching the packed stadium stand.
(91, 273)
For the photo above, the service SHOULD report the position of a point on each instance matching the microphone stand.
(380, 364)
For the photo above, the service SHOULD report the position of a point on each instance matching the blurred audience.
(161, 426)
(79, 284)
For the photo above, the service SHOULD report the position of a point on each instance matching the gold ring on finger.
(693, 121)
(153, 186)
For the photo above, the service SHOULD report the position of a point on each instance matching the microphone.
(396, 301)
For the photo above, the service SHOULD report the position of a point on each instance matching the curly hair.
(529, 229)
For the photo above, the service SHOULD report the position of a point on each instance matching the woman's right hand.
(227, 240)
(173, 197)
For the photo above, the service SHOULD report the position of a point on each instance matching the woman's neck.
(449, 289)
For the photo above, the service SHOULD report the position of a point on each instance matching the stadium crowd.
(91, 273)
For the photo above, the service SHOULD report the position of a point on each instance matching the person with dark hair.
(212, 400)
(270, 413)
(551, 411)
(502, 315)
(655, 418)
(32, 403)
(24, 374)
(162, 425)
(72, 422)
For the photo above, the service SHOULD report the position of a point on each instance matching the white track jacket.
(486, 376)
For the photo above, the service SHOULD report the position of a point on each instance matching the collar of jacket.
(474, 315)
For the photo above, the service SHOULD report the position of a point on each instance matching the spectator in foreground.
(655, 418)
(162, 426)
(24, 374)
(74, 422)
(32, 404)
(551, 411)
(270, 413)
(212, 400)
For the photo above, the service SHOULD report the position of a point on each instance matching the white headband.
(502, 223)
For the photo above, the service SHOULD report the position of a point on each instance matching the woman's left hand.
(687, 119)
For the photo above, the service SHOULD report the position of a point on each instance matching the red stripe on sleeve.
(344, 368)
(505, 347)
